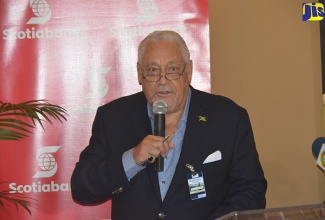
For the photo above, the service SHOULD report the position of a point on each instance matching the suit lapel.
(196, 123)
(142, 127)
(141, 120)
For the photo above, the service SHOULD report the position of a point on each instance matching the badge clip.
(191, 168)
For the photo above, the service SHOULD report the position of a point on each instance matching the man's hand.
(151, 146)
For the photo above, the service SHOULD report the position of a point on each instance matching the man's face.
(162, 56)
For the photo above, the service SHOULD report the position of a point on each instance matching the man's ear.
(189, 71)
(140, 78)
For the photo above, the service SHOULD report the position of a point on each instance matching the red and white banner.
(79, 55)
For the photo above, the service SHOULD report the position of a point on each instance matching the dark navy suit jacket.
(236, 182)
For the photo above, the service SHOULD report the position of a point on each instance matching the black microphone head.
(160, 107)
(317, 145)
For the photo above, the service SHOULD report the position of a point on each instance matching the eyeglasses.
(153, 74)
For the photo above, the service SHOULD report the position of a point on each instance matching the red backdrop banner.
(80, 55)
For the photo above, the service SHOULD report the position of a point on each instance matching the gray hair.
(164, 35)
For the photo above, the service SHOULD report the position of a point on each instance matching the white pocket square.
(213, 157)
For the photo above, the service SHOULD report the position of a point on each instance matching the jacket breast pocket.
(214, 171)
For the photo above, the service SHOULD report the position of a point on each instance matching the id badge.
(196, 185)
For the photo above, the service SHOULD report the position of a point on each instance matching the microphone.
(318, 149)
(159, 109)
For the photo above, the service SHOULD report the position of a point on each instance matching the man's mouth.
(163, 92)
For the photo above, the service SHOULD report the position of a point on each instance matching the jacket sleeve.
(99, 174)
(247, 185)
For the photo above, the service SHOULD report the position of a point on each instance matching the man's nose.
(162, 79)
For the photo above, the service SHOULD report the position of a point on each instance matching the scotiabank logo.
(41, 10)
(98, 88)
(48, 167)
(97, 83)
(46, 161)
(148, 10)
(42, 14)
(39, 187)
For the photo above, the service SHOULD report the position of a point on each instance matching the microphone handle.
(159, 130)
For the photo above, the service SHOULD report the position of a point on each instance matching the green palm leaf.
(17, 199)
(17, 120)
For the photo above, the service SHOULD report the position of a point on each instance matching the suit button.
(161, 215)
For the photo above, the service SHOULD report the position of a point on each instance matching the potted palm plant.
(16, 122)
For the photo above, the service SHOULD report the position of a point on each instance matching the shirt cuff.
(130, 167)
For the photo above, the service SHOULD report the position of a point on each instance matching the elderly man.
(211, 165)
